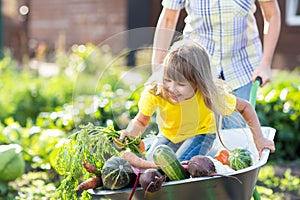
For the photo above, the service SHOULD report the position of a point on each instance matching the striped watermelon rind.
(240, 158)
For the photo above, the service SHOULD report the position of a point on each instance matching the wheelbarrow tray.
(210, 188)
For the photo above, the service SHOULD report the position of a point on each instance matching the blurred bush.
(278, 106)
(24, 95)
(94, 86)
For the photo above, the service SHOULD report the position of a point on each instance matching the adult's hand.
(264, 71)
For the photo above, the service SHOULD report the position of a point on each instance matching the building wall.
(95, 21)
(78, 21)
(14, 35)
(287, 54)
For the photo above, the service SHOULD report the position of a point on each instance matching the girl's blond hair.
(188, 61)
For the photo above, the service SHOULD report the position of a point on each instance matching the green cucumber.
(167, 161)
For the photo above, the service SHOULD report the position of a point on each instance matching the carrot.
(142, 146)
(136, 161)
(90, 183)
(91, 168)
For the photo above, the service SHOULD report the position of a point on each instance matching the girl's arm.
(163, 36)
(136, 126)
(272, 23)
(250, 116)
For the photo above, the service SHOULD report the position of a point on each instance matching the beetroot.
(151, 180)
(199, 166)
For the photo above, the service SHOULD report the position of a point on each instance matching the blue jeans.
(196, 145)
(235, 120)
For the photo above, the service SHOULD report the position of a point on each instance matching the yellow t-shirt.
(180, 121)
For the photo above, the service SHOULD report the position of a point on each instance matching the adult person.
(229, 32)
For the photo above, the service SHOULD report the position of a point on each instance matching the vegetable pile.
(81, 158)
(95, 158)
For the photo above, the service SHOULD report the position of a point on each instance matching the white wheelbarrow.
(210, 188)
(207, 188)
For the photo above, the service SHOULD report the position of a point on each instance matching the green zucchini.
(167, 161)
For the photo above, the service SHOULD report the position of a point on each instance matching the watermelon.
(116, 173)
(240, 158)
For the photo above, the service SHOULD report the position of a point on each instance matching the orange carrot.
(90, 183)
(142, 146)
(90, 167)
(136, 161)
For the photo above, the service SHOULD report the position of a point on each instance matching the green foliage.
(94, 67)
(12, 164)
(24, 95)
(62, 119)
(278, 106)
(43, 143)
(88, 143)
(272, 186)
(37, 143)
(32, 185)
(7, 63)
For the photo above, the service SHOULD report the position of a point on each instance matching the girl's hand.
(264, 143)
(118, 142)
(123, 134)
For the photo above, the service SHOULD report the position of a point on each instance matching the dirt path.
(293, 165)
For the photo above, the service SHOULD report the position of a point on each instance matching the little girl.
(186, 102)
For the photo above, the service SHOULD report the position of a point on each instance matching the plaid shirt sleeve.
(174, 5)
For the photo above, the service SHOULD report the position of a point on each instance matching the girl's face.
(178, 91)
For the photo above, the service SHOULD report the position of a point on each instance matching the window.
(292, 12)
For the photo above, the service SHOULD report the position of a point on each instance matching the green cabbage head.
(12, 163)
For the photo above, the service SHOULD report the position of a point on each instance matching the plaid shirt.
(228, 31)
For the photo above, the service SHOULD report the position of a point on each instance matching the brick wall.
(80, 21)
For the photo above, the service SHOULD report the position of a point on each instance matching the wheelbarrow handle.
(255, 85)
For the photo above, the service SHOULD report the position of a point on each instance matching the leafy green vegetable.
(95, 145)
(12, 164)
